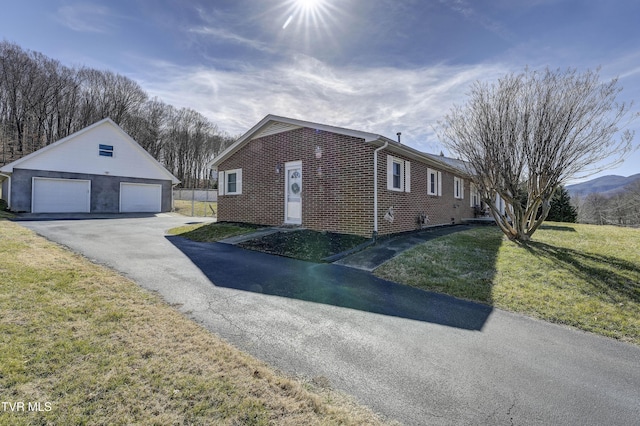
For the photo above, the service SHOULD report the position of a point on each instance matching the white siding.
(80, 154)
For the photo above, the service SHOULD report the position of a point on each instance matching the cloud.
(221, 34)
(464, 8)
(381, 100)
(86, 18)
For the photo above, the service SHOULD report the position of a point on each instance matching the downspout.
(375, 188)
(8, 189)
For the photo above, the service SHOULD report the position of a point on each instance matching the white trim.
(221, 183)
(288, 166)
(474, 193)
(458, 188)
(437, 185)
(274, 128)
(272, 124)
(8, 195)
(375, 188)
(238, 173)
(390, 174)
(405, 168)
(266, 125)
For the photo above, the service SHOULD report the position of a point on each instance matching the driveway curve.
(415, 357)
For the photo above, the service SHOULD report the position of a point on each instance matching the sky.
(379, 66)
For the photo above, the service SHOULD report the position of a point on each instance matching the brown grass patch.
(101, 350)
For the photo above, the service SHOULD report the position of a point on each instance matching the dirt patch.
(304, 244)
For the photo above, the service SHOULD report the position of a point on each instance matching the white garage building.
(99, 169)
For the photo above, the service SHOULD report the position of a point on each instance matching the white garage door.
(60, 195)
(140, 197)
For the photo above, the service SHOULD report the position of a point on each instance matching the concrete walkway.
(386, 249)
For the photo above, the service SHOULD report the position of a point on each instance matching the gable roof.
(273, 124)
(51, 149)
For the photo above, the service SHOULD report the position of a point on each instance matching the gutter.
(375, 188)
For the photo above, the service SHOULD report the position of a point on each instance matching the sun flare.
(308, 5)
(307, 11)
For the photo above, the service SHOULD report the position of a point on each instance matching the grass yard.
(212, 232)
(304, 244)
(195, 209)
(585, 276)
(84, 345)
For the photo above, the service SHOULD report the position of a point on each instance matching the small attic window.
(106, 150)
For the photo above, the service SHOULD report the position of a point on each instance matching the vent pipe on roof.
(399, 133)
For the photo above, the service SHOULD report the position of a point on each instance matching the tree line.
(42, 101)
(622, 208)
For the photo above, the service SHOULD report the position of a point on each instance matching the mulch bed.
(304, 244)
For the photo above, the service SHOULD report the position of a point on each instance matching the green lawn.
(211, 232)
(585, 276)
(196, 208)
(84, 345)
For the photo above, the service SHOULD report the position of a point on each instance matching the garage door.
(140, 197)
(60, 195)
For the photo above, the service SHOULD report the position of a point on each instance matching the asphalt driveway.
(414, 356)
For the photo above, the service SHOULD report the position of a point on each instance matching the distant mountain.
(606, 185)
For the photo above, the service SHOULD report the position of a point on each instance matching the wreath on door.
(295, 188)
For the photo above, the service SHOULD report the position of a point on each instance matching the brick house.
(285, 171)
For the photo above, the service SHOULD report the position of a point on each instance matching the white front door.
(293, 193)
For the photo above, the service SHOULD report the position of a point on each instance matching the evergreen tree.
(561, 208)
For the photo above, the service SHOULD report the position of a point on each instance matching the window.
(475, 196)
(230, 182)
(458, 188)
(434, 182)
(398, 174)
(397, 177)
(105, 150)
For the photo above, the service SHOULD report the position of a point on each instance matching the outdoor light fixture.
(278, 168)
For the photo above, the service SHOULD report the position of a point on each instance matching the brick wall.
(337, 186)
(337, 181)
(408, 206)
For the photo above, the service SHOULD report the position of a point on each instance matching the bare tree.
(147, 126)
(595, 209)
(633, 195)
(621, 208)
(42, 101)
(534, 131)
